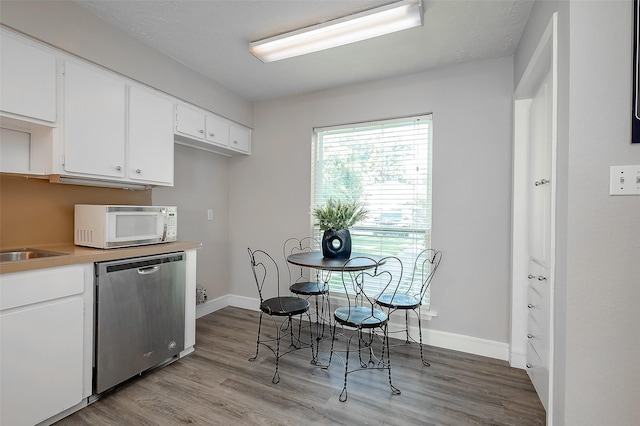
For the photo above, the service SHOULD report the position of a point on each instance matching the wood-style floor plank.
(217, 385)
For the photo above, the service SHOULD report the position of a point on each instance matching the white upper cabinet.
(67, 118)
(240, 138)
(28, 83)
(217, 130)
(201, 129)
(189, 122)
(94, 121)
(150, 148)
(115, 129)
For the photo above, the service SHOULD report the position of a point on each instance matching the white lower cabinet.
(45, 365)
(538, 330)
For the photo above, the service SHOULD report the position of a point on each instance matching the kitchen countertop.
(77, 255)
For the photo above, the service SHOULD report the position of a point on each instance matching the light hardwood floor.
(217, 385)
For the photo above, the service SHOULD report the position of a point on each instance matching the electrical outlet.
(624, 180)
(209, 214)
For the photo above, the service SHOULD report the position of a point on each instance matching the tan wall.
(36, 212)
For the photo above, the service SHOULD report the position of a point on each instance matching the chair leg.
(406, 325)
(297, 342)
(314, 351)
(362, 363)
(343, 395)
(425, 363)
(333, 336)
(394, 390)
(276, 377)
(258, 340)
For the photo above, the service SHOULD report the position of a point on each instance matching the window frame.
(316, 166)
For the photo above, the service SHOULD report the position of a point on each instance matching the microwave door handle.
(164, 231)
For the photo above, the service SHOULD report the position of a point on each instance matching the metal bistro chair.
(369, 323)
(313, 286)
(281, 309)
(410, 298)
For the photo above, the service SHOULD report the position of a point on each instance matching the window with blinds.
(386, 165)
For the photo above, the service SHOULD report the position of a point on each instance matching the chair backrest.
(299, 245)
(266, 273)
(361, 287)
(424, 268)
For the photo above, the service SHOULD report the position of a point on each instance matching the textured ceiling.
(212, 37)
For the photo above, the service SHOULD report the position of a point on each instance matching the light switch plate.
(624, 180)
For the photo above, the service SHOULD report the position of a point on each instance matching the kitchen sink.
(14, 255)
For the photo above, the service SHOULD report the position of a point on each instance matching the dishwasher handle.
(148, 270)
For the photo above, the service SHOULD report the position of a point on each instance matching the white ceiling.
(212, 37)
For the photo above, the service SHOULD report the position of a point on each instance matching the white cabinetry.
(217, 130)
(150, 147)
(45, 350)
(540, 238)
(94, 122)
(28, 83)
(204, 130)
(114, 129)
(29, 101)
(538, 330)
(239, 138)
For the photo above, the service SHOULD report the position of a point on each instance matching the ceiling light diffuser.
(360, 26)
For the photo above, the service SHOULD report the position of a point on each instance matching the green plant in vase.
(335, 218)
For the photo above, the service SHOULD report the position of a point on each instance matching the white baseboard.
(224, 301)
(441, 339)
(518, 359)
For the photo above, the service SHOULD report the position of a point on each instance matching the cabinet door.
(150, 148)
(189, 122)
(28, 83)
(539, 174)
(94, 122)
(41, 359)
(538, 329)
(217, 130)
(240, 138)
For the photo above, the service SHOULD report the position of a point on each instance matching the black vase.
(336, 244)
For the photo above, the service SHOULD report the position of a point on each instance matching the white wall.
(202, 183)
(597, 340)
(472, 113)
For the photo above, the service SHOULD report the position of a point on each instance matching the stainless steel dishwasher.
(139, 316)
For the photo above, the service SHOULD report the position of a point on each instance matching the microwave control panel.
(172, 224)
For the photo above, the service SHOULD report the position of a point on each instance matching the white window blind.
(386, 165)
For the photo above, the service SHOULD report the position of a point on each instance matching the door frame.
(543, 61)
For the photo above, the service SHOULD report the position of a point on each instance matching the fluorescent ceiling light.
(360, 26)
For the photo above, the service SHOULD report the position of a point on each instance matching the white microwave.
(109, 226)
